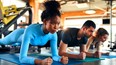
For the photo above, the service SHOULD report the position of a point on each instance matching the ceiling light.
(90, 11)
(82, 5)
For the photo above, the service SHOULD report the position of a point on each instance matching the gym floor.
(99, 62)
(108, 61)
(3, 62)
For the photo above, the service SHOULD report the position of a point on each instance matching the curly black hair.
(51, 10)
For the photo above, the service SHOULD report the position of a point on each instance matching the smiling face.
(103, 38)
(52, 24)
(102, 34)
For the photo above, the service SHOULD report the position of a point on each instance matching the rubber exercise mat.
(71, 61)
(10, 57)
(15, 59)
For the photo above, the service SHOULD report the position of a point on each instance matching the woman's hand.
(64, 60)
(47, 61)
(97, 54)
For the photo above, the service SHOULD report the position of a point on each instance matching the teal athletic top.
(33, 35)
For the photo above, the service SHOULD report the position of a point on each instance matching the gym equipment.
(10, 14)
(114, 46)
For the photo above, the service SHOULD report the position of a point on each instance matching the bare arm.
(62, 48)
(97, 53)
(98, 50)
(62, 52)
(98, 47)
(90, 40)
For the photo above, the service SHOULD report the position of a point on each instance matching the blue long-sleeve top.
(33, 35)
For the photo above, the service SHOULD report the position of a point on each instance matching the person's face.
(52, 24)
(89, 31)
(103, 38)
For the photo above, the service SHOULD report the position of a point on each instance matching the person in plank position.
(97, 40)
(39, 34)
(76, 37)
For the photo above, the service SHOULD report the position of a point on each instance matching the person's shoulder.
(92, 37)
(71, 29)
(53, 33)
(34, 25)
(31, 25)
(74, 29)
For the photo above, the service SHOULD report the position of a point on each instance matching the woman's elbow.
(21, 59)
